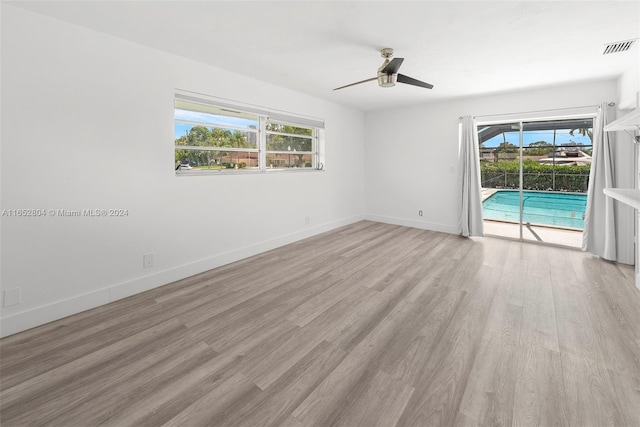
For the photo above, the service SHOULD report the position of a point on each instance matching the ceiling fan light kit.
(387, 80)
(388, 73)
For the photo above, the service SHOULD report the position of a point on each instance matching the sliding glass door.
(534, 178)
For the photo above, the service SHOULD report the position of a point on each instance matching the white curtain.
(599, 236)
(470, 222)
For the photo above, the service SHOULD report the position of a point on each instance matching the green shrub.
(536, 176)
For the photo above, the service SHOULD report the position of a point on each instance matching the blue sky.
(182, 129)
(562, 137)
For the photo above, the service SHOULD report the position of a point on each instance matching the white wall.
(87, 122)
(411, 154)
(629, 87)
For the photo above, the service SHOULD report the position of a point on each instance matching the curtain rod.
(610, 104)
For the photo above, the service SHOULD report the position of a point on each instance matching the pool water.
(539, 207)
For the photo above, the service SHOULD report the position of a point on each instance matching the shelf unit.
(630, 121)
(630, 124)
(628, 196)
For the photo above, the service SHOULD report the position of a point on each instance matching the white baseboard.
(37, 316)
(444, 228)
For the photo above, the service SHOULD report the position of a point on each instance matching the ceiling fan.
(388, 73)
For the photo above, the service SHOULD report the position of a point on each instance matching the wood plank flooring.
(367, 325)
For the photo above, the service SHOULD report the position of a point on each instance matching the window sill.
(225, 172)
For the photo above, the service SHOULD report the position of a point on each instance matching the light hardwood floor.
(370, 324)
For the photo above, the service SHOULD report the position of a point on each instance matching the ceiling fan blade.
(393, 66)
(411, 81)
(357, 83)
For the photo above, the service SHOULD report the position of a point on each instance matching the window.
(290, 146)
(209, 138)
(556, 155)
(218, 138)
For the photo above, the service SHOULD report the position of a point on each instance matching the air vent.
(616, 47)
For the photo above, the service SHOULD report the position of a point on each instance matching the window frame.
(263, 116)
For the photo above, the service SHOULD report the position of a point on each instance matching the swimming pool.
(539, 207)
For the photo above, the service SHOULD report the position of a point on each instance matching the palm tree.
(584, 132)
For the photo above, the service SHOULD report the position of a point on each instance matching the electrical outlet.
(11, 297)
(420, 213)
(307, 220)
(147, 260)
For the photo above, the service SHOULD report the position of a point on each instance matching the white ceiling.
(462, 48)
